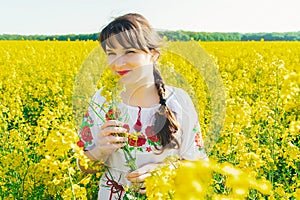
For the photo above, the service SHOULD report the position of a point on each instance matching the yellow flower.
(258, 137)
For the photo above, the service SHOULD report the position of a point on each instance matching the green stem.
(130, 160)
(73, 192)
(101, 108)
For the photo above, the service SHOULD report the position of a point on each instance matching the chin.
(125, 80)
(129, 81)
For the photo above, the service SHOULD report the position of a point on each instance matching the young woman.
(164, 115)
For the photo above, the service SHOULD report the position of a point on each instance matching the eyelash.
(126, 52)
(129, 51)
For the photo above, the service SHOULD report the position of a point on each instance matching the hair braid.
(165, 124)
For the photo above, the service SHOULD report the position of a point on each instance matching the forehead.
(115, 45)
(126, 39)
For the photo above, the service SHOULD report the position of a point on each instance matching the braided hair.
(165, 124)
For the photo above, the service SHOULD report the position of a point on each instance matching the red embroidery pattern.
(199, 140)
(148, 149)
(126, 126)
(112, 114)
(151, 134)
(138, 124)
(80, 143)
(137, 143)
(85, 133)
(198, 136)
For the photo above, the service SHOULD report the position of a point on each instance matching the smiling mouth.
(122, 73)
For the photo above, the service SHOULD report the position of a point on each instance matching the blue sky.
(89, 16)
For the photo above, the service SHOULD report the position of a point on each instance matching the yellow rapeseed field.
(256, 154)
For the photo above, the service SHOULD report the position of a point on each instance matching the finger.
(111, 147)
(138, 179)
(110, 130)
(138, 172)
(141, 188)
(142, 191)
(113, 129)
(112, 140)
(112, 123)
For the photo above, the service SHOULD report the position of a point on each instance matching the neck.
(144, 95)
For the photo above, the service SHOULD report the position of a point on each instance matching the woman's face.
(130, 63)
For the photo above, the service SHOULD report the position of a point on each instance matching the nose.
(119, 61)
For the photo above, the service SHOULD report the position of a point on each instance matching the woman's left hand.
(139, 175)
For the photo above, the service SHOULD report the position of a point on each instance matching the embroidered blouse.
(189, 136)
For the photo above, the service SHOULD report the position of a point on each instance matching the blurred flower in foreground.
(194, 180)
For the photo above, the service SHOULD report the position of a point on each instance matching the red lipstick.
(123, 72)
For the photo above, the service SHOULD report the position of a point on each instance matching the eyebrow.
(125, 48)
(109, 50)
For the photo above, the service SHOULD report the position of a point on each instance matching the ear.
(154, 55)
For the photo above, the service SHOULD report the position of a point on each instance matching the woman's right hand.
(111, 136)
(108, 140)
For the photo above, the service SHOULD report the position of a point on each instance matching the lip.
(123, 72)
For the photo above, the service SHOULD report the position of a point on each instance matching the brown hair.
(134, 30)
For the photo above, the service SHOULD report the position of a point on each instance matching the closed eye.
(110, 53)
(129, 51)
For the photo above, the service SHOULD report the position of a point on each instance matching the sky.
(50, 17)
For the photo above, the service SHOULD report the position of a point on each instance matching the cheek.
(111, 67)
(109, 61)
(141, 60)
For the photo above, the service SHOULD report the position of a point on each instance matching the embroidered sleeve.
(85, 133)
(91, 122)
(198, 137)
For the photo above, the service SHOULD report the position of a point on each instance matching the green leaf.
(131, 148)
(140, 149)
(150, 142)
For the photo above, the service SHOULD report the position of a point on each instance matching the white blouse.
(189, 136)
